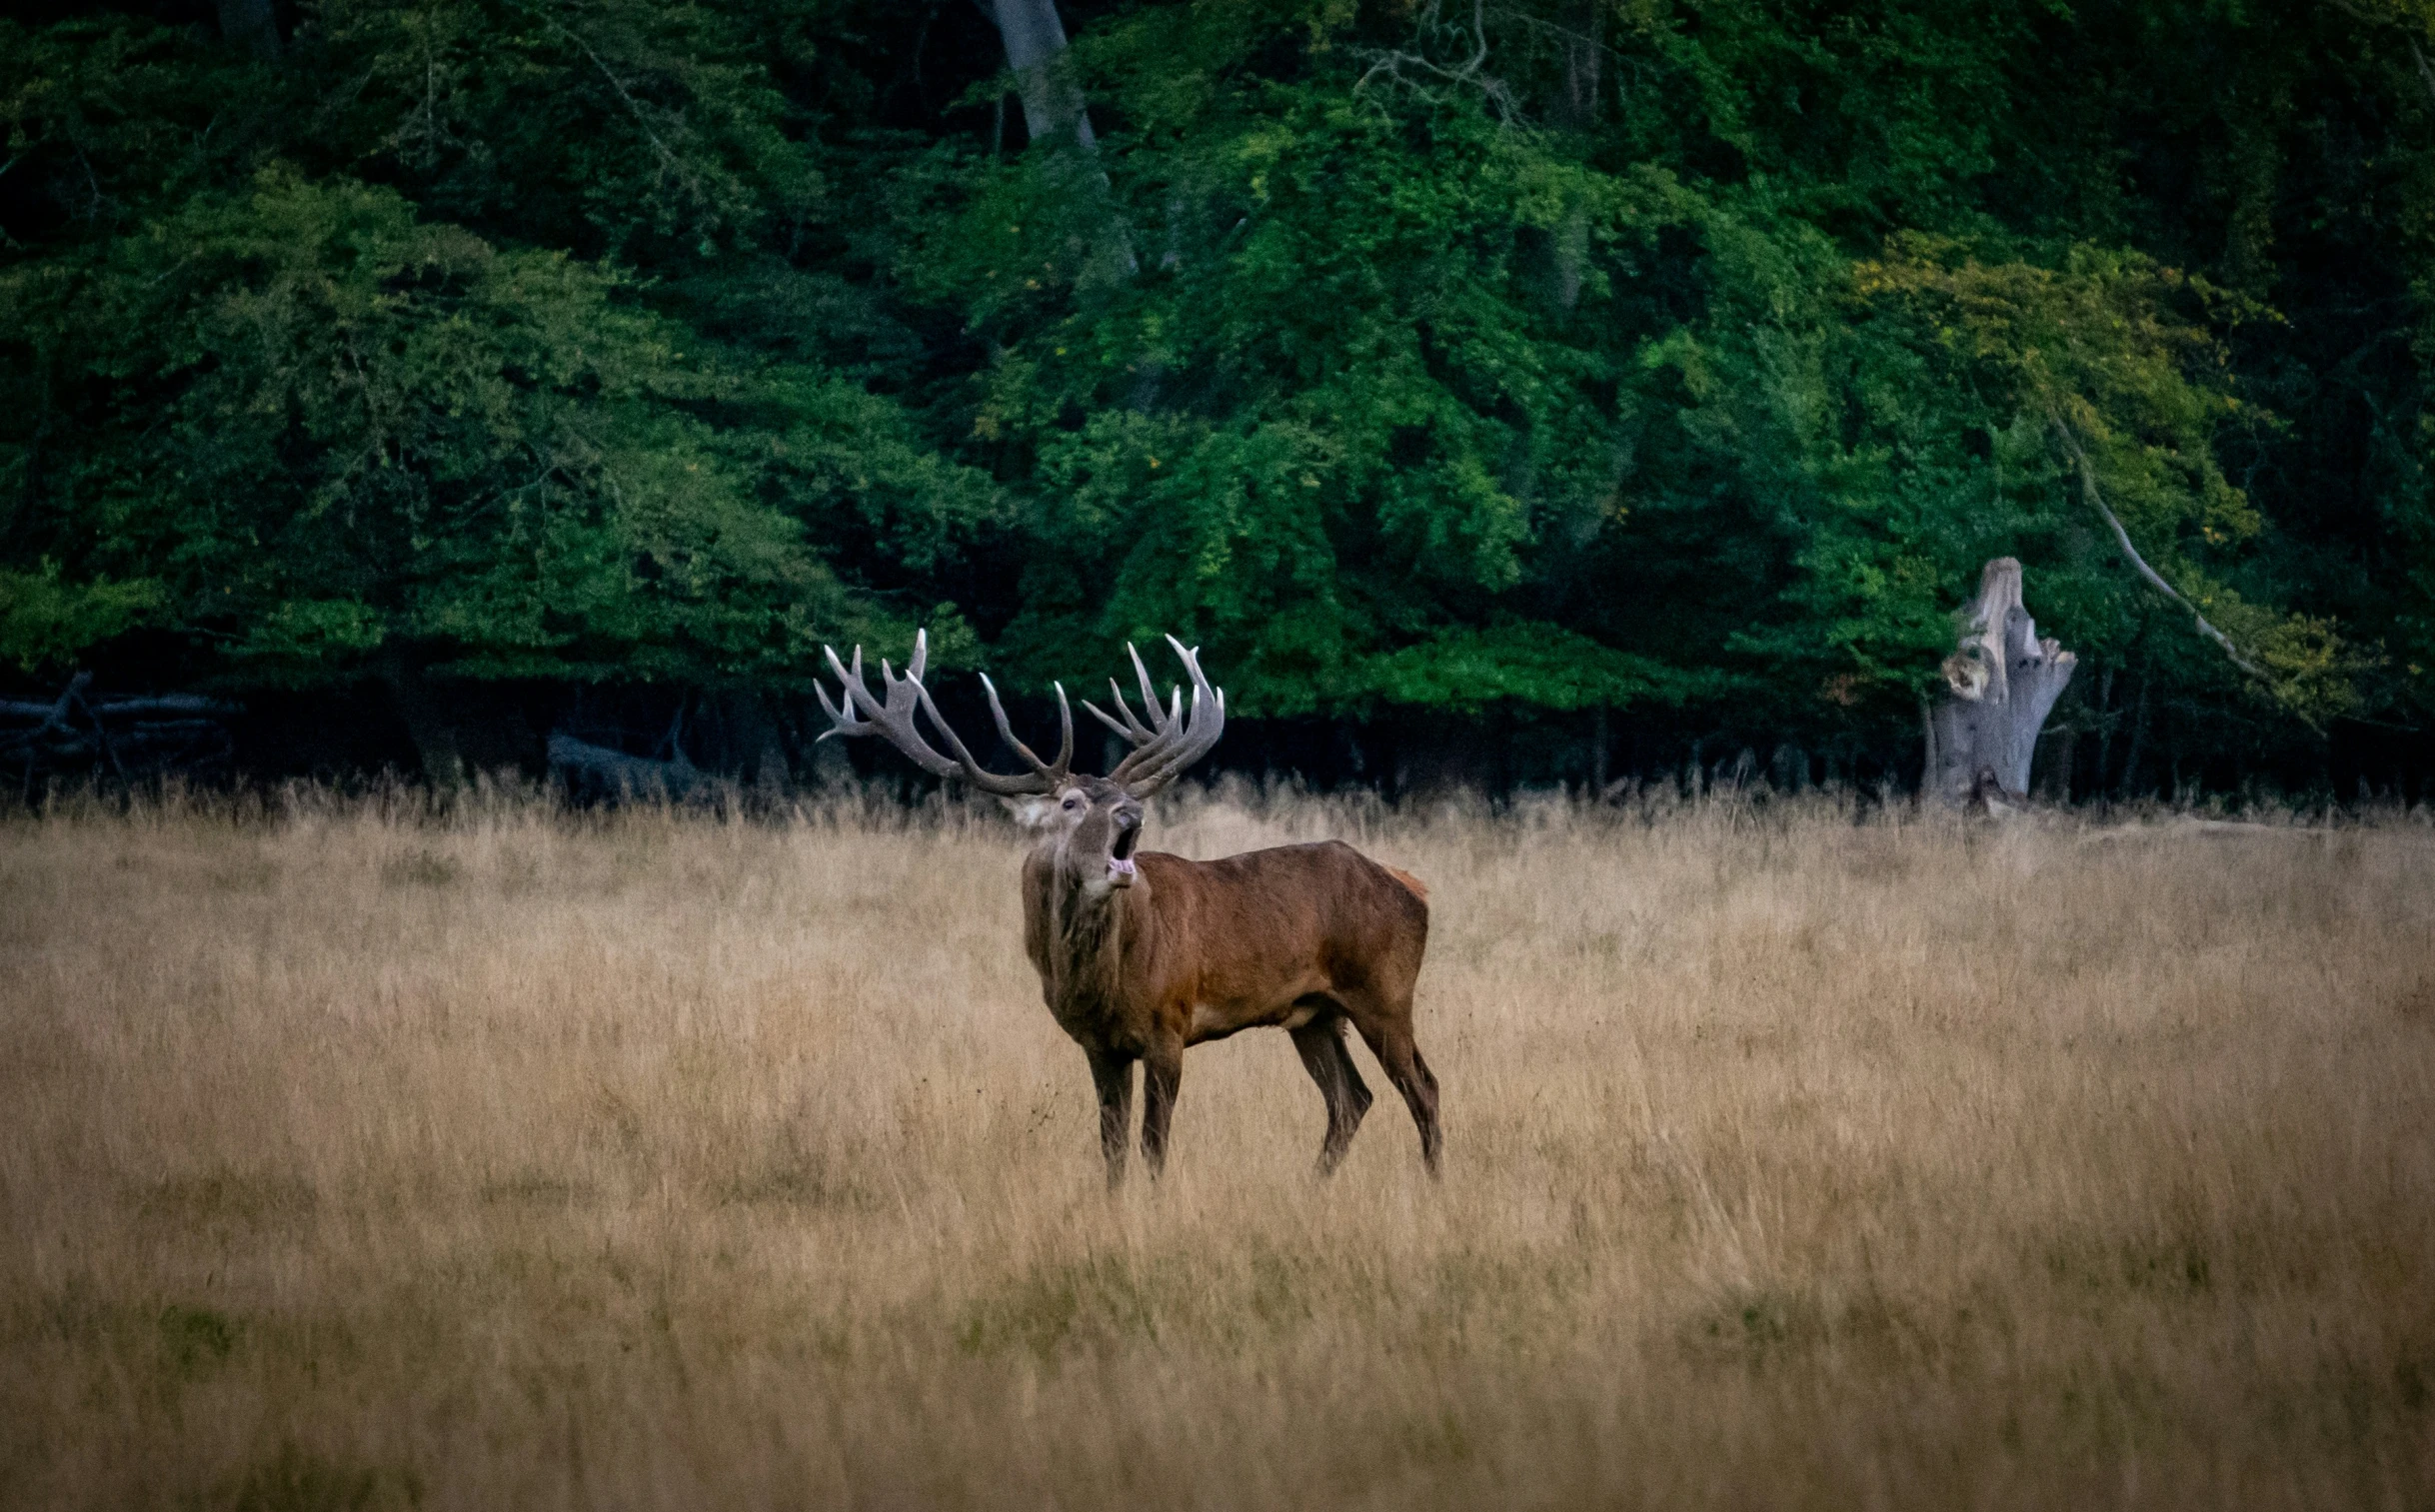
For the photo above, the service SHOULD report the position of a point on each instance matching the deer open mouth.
(1120, 867)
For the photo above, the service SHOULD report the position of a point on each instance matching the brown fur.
(1308, 938)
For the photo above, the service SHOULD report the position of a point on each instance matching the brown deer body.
(1142, 955)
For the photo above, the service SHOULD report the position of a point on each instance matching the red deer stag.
(1141, 954)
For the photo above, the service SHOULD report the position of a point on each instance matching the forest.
(1548, 391)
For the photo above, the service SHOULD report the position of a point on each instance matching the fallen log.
(54, 716)
(126, 706)
(131, 736)
(182, 703)
(579, 763)
(2216, 828)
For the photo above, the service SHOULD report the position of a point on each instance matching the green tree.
(1684, 357)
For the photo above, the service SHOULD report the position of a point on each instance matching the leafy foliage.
(1675, 355)
(44, 622)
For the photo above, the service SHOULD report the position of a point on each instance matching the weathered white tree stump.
(2001, 682)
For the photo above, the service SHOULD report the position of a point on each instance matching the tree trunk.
(1571, 110)
(2104, 787)
(1054, 109)
(1056, 114)
(2062, 753)
(460, 728)
(428, 723)
(249, 24)
(753, 744)
(2130, 759)
(1443, 758)
(1574, 111)
(2001, 682)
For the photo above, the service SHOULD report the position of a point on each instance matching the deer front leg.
(1113, 1076)
(1162, 1074)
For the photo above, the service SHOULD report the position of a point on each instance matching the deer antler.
(1168, 745)
(863, 714)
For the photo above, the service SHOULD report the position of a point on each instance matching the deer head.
(1092, 825)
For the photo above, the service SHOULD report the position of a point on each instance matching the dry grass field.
(356, 1159)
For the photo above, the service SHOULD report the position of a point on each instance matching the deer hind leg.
(1387, 1030)
(1113, 1076)
(1320, 1043)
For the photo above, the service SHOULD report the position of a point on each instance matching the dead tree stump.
(2001, 682)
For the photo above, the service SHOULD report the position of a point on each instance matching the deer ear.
(1032, 811)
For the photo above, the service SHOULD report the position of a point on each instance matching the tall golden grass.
(353, 1157)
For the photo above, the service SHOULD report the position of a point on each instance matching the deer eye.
(1072, 802)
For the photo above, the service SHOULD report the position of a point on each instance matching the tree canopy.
(1678, 358)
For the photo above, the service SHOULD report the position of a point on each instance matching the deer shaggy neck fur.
(1082, 930)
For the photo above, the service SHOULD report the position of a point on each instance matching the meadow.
(359, 1155)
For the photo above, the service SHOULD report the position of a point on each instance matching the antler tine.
(1064, 732)
(1005, 733)
(840, 720)
(1040, 780)
(1193, 742)
(1149, 753)
(1140, 735)
(1150, 690)
(895, 719)
(1154, 765)
(1132, 729)
(891, 718)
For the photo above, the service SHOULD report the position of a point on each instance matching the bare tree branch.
(634, 107)
(1391, 62)
(2088, 490)
(2425, 74)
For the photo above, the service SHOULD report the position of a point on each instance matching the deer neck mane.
(1084, 935)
